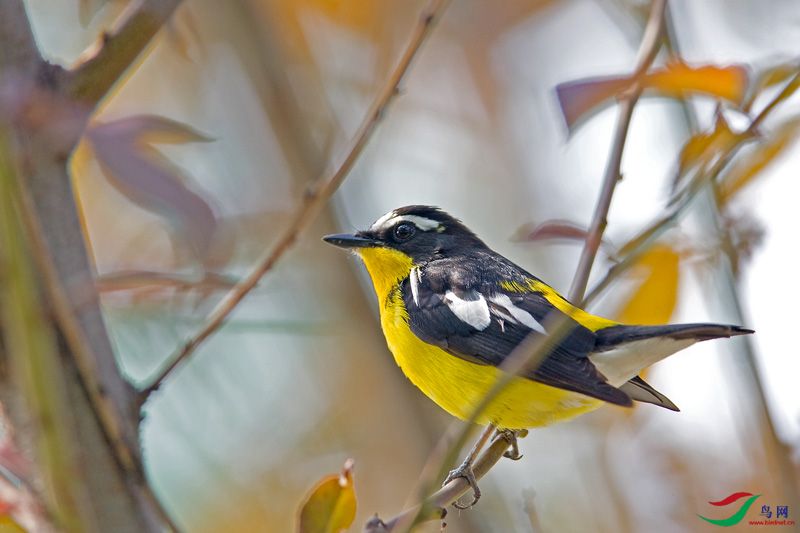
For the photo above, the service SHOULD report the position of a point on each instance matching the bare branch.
(145, 279)
(651, 43)
(91, 80)
(434, 506)
(314, 199)
(18, 50)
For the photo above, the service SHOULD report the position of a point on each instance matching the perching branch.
(651, 43)
(117, 50)
(315, 198)
(435, 505)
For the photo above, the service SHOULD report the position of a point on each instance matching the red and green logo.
(739, 514)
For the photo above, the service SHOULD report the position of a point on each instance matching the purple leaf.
(147, 178)
(581, 97)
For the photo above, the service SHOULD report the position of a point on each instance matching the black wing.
(430, 305)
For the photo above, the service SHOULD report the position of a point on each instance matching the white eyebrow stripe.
(390, 219)
(415, 279)
(520, 315)
(473, 312)
(383, 220)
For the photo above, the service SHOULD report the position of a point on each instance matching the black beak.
(346, 240)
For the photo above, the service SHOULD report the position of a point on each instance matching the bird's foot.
(465, 471)
(511, 437)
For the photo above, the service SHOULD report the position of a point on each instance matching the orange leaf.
(330, 507)
(654, 300)
(679, 79)
(580, 98)
(751, 165)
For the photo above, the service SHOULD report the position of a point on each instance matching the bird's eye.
(403, 232)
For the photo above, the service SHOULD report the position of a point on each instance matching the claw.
(511, 437)
(465, 471)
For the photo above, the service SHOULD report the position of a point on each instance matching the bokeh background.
(300, 379)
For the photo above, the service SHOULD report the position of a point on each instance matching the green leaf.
(330, 506)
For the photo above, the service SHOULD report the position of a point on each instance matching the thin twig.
(118, 49)
(145, 279)
(651, 43)
(315, 198)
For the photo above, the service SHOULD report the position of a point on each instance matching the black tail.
(615, 335)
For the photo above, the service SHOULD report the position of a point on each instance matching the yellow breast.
(454, 384)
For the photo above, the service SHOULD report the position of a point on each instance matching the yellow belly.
(457, 385)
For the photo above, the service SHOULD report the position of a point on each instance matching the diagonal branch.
(651, 43)
(314, 199)
(118, 49)
(435, 505)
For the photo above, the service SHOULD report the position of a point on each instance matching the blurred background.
(300, 378)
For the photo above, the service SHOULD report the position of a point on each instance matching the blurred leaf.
(679, 80)
(331, 505)
(751, 165)
(655, 299)
(769, 78)
(146, 177)
(556, 230)
(8, 525)
(703, 148)
(578, 99)
(551, 229)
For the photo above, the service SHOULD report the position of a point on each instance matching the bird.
(452, 310)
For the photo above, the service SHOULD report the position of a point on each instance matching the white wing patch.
(415, 276)
(391, 218)
(505, 307)
(473, 312)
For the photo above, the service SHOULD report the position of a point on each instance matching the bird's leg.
(465, 469)
(511, 437)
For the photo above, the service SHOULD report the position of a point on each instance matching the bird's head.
(405, 237)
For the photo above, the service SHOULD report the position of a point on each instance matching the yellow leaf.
(679, 79)
(768, 78)
(654, 300)
(705, 147)
(331, 505)
(751, 165)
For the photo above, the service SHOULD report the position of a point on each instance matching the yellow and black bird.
(452, 310)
